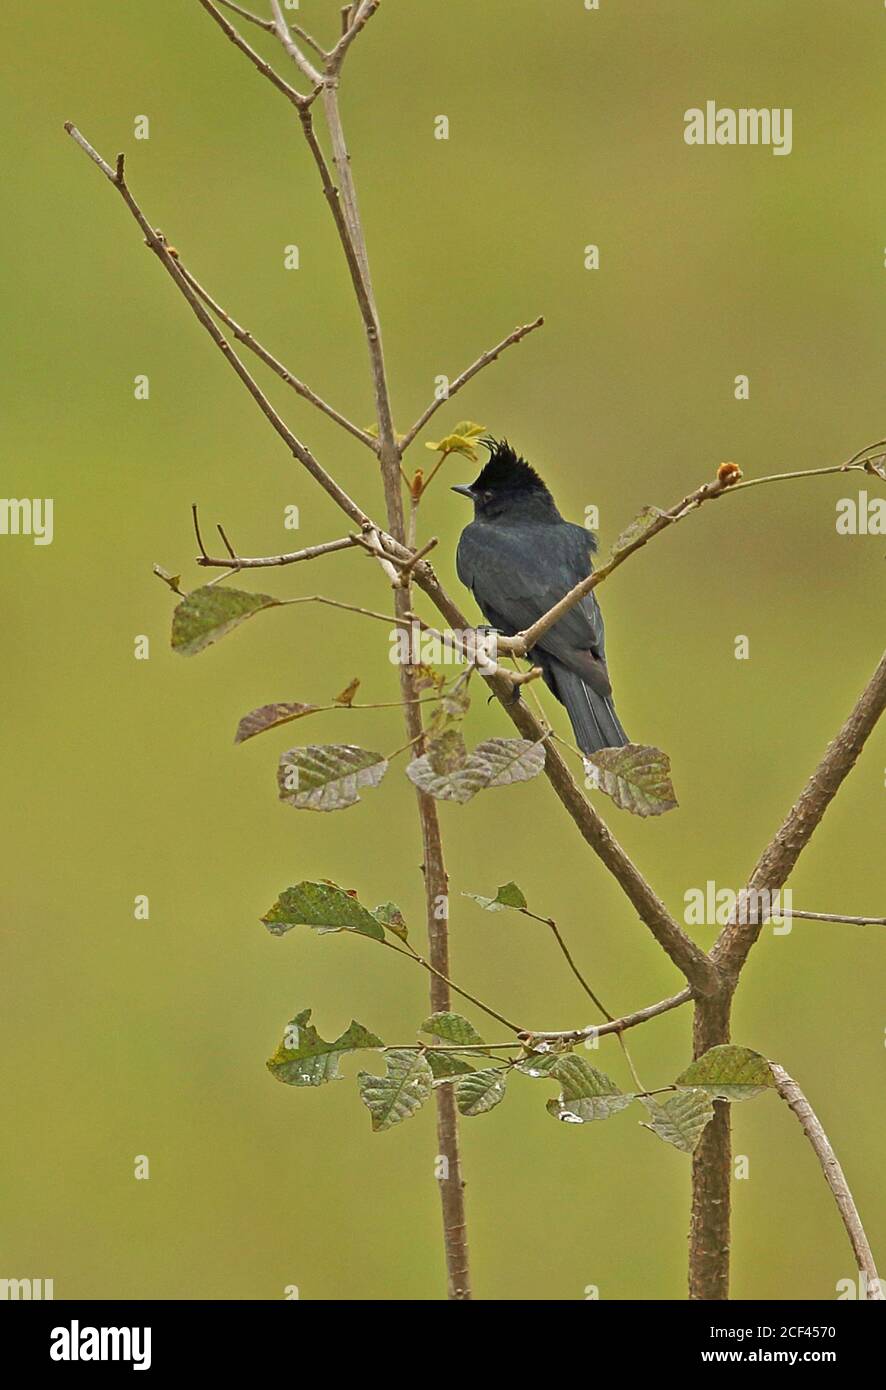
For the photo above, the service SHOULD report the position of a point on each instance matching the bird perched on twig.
(519, 557)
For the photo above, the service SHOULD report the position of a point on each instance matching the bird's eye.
(487, 496)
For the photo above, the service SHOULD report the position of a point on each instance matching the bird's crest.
(506, 471)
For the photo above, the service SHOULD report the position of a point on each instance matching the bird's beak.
(464, 489)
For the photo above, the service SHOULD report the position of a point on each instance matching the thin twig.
(157, 244)
(419, 555)
(780, 856)
(310, 552)
(284, 34)
(298, 99)
(615, 1025)
(838, 917)
(712, 1161)
(266, 24)
(356, 22)
(718, 487)
(834, 1177)
(411, 954)
(244, 336)
(482, 361)
(567, 954)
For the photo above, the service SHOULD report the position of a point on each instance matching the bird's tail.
(592, 716)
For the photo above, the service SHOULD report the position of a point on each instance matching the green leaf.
(449, 773)
(462, 440)
(446, 1064)
(586, 1095)
(402, 1090)
(729, 1073)
(391, 917)
(637, 777)
(270, 717)
(304, 1059)
(481, 1091)
(680, 1120)
(323, 906)
(209, 613)
(508, 895)
(636, 529)
(327, 777)
(452, 1028)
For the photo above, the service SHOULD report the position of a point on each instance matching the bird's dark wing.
(518, 572)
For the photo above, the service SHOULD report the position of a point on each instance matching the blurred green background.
(124, 1037)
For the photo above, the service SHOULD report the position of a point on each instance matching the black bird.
(519, 557)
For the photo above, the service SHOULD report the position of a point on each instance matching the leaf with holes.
(402, 1090)
(449, 773)
(586, 1095)
(391, 917)
(508, 895)
(209, 613)
(681, 1119)
(304, 1059)
(270, 717)
(323, 906)
(729, 1073)
(637, 777)
(327, 777)
(481, 1091)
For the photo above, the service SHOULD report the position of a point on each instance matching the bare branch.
(838, 917)
(419, 555)
(284, 34)
(711, 1162)
(372, 536)
(718, 487)
(225, 542)
(170, 263)
(310, 552)
(778, 859)
(482, 361)
(298, 99)
(246, 338)
(615, 1025)
(834, 1177)
(270, 27)
(199, 538)
(350, 30)
(350, 230)
(267, 24)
